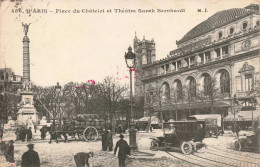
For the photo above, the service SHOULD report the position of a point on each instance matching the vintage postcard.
(129, 83)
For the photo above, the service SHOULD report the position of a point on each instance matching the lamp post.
(130, 62)
(58, 90)
(253, 102)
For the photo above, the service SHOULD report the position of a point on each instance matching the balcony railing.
(225, 55)
(209, 60)
(217, 58)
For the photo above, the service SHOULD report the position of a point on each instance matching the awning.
(155, 119)
(243, 116)
(197, 105)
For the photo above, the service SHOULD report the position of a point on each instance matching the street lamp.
(130, 62)
(253, 101)
(58, 90)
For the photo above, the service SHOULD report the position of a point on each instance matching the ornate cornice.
(216, 63)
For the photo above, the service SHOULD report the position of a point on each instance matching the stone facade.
(215, 64)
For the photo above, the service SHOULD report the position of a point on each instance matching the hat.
(30, 145)
(11, 141)
(121, 136)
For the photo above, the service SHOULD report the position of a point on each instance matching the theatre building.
(215, 69)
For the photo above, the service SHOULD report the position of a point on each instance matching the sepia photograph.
(129, 83)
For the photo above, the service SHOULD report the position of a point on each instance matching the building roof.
(219, 19)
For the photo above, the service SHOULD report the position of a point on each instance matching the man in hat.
(9, 152)
(124, 150)
(30, 158)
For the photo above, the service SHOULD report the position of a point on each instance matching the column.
(204, 58)
(176, 65)
(189, 62)
(221, 56)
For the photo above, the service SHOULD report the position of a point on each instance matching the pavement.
(219, 153)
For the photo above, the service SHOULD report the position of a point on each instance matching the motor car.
(212, 124)
(248, 142)
(184, 135)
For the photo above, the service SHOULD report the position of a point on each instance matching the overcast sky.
(78, 47)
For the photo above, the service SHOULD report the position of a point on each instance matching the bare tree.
(113, 92)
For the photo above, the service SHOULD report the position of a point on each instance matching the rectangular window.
(225, 50)
(201, 57)
(248, 82)
(167, 67)
(192, 60)
(179, 64)
(238, 83)
(207, 55)
(217, 51)
(162, 69)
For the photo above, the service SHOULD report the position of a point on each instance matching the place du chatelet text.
(123, 10)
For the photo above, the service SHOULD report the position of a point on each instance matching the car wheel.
(154, 145)
(237, 145)
(186, 147)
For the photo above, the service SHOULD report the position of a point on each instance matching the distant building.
(9, 85)
(9, 82)
(216, 64)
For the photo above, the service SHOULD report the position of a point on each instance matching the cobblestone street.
(61, 154)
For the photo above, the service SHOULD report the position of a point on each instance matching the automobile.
(248, 142)
(184, 135)
(212, 124)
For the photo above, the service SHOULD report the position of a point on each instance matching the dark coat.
(30, 159)
(9, 153)
(104, 140)
(81, 159)
(110, 139)
(124, 149)
(29, 134)
(43, 132)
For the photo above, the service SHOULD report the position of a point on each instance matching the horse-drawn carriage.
(85, 126)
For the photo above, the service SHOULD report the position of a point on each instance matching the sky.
(81, 46)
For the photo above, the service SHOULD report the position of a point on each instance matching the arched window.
(207, 84)
(231, 30)
(192, 87)
(179, 90)
(165, 91)
(244, 26)
(220, 34)
(224, 82)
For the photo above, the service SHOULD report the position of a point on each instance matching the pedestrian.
(124, 150)
(17, 133)
(104, 139)
(110, 140)
(29, 134)
(64, 129)
(81, 158)
(23, 134)
(1, 134)
(9, 152)
(237, 130)
(30, 158)
(53, 135)
(43, 133)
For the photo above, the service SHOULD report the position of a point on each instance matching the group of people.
(107, 140)
(29, 159)
(122, 145)
(23, 133)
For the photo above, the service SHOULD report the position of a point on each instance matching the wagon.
(184, 135)
(86, 126)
